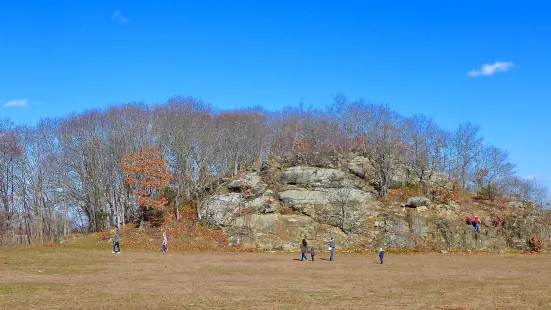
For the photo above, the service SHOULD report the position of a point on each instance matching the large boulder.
(402, 177)
(249, 184)
(319, 177)
(416, 202)
(221, 209)
(326, 206)
(325, 196)
(441, 180)
(362, 167)
(263, 204)
(302, 197)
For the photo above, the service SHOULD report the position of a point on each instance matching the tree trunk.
(343, 221)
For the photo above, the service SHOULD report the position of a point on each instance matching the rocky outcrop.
(263, 204)
(362, 167)
(339, 207)
(319, 177)
(275, 207)
(249, 184)
(221, 209)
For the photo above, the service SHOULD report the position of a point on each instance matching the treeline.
(65, 173)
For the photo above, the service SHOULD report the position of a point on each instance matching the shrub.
(497, 221)
(536, 244)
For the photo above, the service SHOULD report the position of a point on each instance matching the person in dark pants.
(476, 224)
(303, 250)
(165, 241)
(312, 253)
(331, 250)
(116, 243)
(381, 255)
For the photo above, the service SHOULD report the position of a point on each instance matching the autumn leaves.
(147, 172)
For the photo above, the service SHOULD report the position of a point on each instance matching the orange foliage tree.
(148, 173)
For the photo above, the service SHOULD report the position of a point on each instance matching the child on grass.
(165, 241)
(116, 243)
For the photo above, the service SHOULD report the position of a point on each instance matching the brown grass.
(71, 278)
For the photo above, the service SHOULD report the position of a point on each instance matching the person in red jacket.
(469, 220)
(476, 223)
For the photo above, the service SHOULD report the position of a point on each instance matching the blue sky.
(62, 56)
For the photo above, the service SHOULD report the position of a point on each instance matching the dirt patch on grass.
(65, 278)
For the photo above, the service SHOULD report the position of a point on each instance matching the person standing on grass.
(312, 253)
(331, 250)
(303, 250)
(116, 243)
(165, 241)
(381, 255)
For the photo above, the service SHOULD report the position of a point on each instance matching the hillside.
(276, 204)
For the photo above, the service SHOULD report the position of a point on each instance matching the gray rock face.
(332, 206)
(263, 204)
(415, 202)
(402, 177)
(362, 167)
(298, 197)
(441, 180)
(318, 177)
(221, 209)
(516, 204)
(418, 226)
(325, 196)
(251, 182)
(396, 233)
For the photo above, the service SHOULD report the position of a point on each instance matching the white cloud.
(121, 18)
(529, 177)
(491, 69)
(17, 103)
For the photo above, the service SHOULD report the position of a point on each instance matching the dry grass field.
(69, 278)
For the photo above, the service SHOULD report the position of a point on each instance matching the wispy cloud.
(117, 15)
(529, 177)
(491, 69)
(21, 103)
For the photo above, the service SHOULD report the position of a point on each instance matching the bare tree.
(493, 172)
(425, 145)
(466, 147)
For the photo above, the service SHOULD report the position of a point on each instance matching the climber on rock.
(476, 224)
